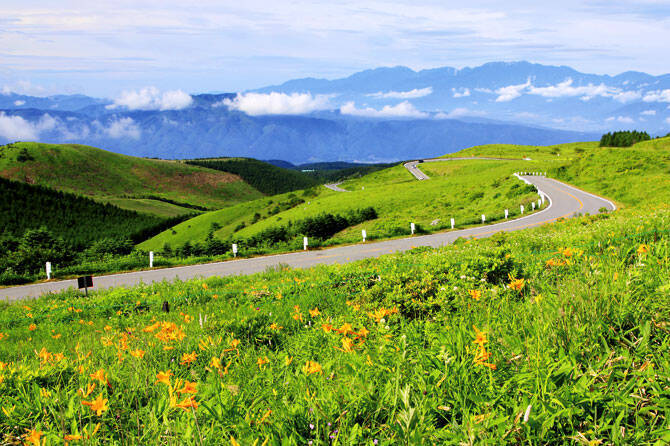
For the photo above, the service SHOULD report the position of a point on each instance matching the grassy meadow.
(106, 176)
(462, 190)
(559, 334)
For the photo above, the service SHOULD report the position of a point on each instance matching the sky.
(104, 48)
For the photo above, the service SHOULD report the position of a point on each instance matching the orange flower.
(314, 312)
(297, 317)
(312, 367)
(164, 377)
(233, 345)
(98, 405)
(33, 436)
(215, 362)
(516, 284)
(89, 389)
(480, 337)
(138, 353)
(189, 387)
(32, 327)
(100, 376)
(347, 345)
(346, 328)
(275, 327)
(643, 249)
(363, 332)
(262, 361)
(475, 294)
(72, 437)
(187, 403)
(188, 358)
(327, 327)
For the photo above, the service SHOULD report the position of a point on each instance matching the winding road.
(564, 201)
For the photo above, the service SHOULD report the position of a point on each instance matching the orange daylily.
(138, 353)
(314, 312)
(262, 361)
(312, 367)
(475, 294)
(98, 405)
(188, 358)
(187, 403)
(164, 377)
(100, 376)
(189, 387)
(33, 436)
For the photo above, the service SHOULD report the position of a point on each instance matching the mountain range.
(378, 115)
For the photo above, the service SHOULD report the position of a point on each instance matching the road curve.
(419, 175)
(564, 201)
(336, 187)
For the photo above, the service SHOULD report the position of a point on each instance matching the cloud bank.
(150, 98)
(657, 96)
(402, 110)
(567, 89)
(256, 104)
(412, 94)
(123, 128)
(17, 128)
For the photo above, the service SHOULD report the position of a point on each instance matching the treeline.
(266, 178)
(318, 228)
(79, 221)
(623, 139)
(41, 224)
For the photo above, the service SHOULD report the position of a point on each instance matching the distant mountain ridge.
(378, 115)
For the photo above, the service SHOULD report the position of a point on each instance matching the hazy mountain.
(385, 114)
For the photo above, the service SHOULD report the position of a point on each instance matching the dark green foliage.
(320, 227)
(268, 179)
(623, 139)
(40, 224)
(79, 221)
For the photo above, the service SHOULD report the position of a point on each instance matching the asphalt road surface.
(564, 201)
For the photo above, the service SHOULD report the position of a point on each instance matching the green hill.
(269, 179)
(165, 188)
(460, 189)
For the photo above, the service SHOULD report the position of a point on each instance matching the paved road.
(336, 187)
(414, 170)
(564, 201)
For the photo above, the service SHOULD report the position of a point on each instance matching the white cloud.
(627, 96)
(16, 127)
(620, 119)
(150, 98)
(648, 113)
(510, 92)
(25, 88)
(667, 120)
(402, 110)
(123, 128)
(274, 103)
(459, 113)
(657, 96)
(19, 103)
(461, 92)
(412, 94)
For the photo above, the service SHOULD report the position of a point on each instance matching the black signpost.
(85, 282)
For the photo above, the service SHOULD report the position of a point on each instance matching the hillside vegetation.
(125, 180)
(546, 336)
(464, 190)
(269, 179)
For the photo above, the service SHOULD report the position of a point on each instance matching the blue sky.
(104, 47)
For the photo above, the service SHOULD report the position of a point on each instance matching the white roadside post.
(483, 218)
(522, 209)
(412, 228)
(151, 259)
(506, 213)
(453, 223)
(304, 243)
(539, 202)
(364, 234)
(533, 205)
(234, 249)
(48, 268)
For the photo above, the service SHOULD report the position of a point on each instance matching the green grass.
(579, 354)
(149, 206)
(457, 189)
(104, 175)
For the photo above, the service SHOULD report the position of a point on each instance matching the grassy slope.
(583, 349)
(631, 175)
(105, 175)
(454, 191)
